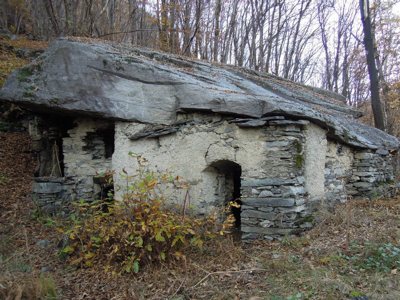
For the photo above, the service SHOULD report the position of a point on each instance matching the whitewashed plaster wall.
(338, 171)
(188, 154)
(314, 162)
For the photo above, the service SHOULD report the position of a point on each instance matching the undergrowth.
(9, 62)
(374, 257)
(138, 231)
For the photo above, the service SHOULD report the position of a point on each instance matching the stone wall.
(52, 195)
(274, 204)
(68, 176)
(189, 153)
(287, 168)
(85, 156)
(372, 173)
(315, 147)
(203, 148)
(281, 169)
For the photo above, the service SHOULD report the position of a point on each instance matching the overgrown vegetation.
(140, 230)
(11, 58)
(8, 62)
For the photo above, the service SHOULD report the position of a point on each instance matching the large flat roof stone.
(120, 82)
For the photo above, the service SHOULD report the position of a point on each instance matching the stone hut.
(283, 148)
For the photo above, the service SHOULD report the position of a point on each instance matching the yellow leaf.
(89, 263)
(159, 237)
(162, 256)
(89, 255)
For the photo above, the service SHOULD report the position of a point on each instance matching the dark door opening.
(229, 184)
(48, 144)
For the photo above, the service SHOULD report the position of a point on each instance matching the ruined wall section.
(52, 195)
(85, 157)
(67, 176)
(50, 190)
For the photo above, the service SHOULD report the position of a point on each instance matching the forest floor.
(351, 254)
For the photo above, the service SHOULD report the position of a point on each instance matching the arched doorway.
(227, 174)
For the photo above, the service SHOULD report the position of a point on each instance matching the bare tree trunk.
(225, 51)
(186, 28)
(173, 38)
(164, 26)
(196, 34)
(372, 70)
(217, 29)
(48, 4)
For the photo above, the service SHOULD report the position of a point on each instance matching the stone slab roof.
(120, 82)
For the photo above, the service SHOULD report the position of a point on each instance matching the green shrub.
(137, 231)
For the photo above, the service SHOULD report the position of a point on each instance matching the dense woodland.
(317, 42)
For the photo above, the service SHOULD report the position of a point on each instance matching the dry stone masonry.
(275, 204)
(372, 172)
(85, 156)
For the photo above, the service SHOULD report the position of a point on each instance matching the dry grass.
(23, 42)
(27, 287)
(358, 221)
(9, 60)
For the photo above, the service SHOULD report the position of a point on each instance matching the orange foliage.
(23, 42)
(9, 61)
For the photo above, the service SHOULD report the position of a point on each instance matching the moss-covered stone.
(24, 74)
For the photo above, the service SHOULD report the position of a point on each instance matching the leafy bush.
(382, 258)
(137, 231)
